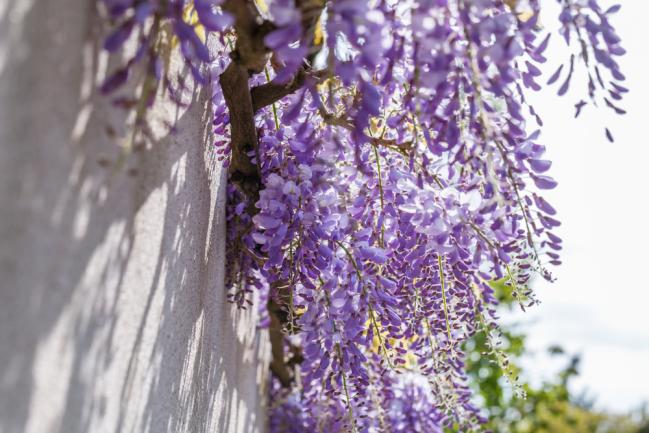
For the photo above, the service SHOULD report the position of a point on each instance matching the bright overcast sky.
(599, 306)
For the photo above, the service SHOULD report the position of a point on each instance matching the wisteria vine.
(384, 167)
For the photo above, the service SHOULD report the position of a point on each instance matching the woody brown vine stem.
(249, 57)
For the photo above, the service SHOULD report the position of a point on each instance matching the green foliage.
(548, 408)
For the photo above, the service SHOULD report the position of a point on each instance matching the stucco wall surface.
(113, 316)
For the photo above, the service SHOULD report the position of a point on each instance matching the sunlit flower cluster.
(400, 178)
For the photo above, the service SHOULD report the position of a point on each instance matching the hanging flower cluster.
(383, 169)
(144, 21)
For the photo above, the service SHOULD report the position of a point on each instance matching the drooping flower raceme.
(385, 165)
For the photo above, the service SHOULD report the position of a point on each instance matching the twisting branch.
(251, 29)
(269, 93)
(276, 333)
(249, 57)
(234, 82)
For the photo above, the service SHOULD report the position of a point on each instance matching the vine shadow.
(113, 311)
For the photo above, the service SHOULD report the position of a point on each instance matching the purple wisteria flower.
(392, 168)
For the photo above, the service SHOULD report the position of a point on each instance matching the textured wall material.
(112, 307)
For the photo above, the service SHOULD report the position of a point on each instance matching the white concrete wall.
(113, 315)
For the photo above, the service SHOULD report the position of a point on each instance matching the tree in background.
(547, 408)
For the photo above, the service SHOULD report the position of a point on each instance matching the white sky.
(599, 306)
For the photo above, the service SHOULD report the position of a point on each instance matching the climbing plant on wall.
(384, 166)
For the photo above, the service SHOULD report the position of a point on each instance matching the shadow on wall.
(113, 315)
